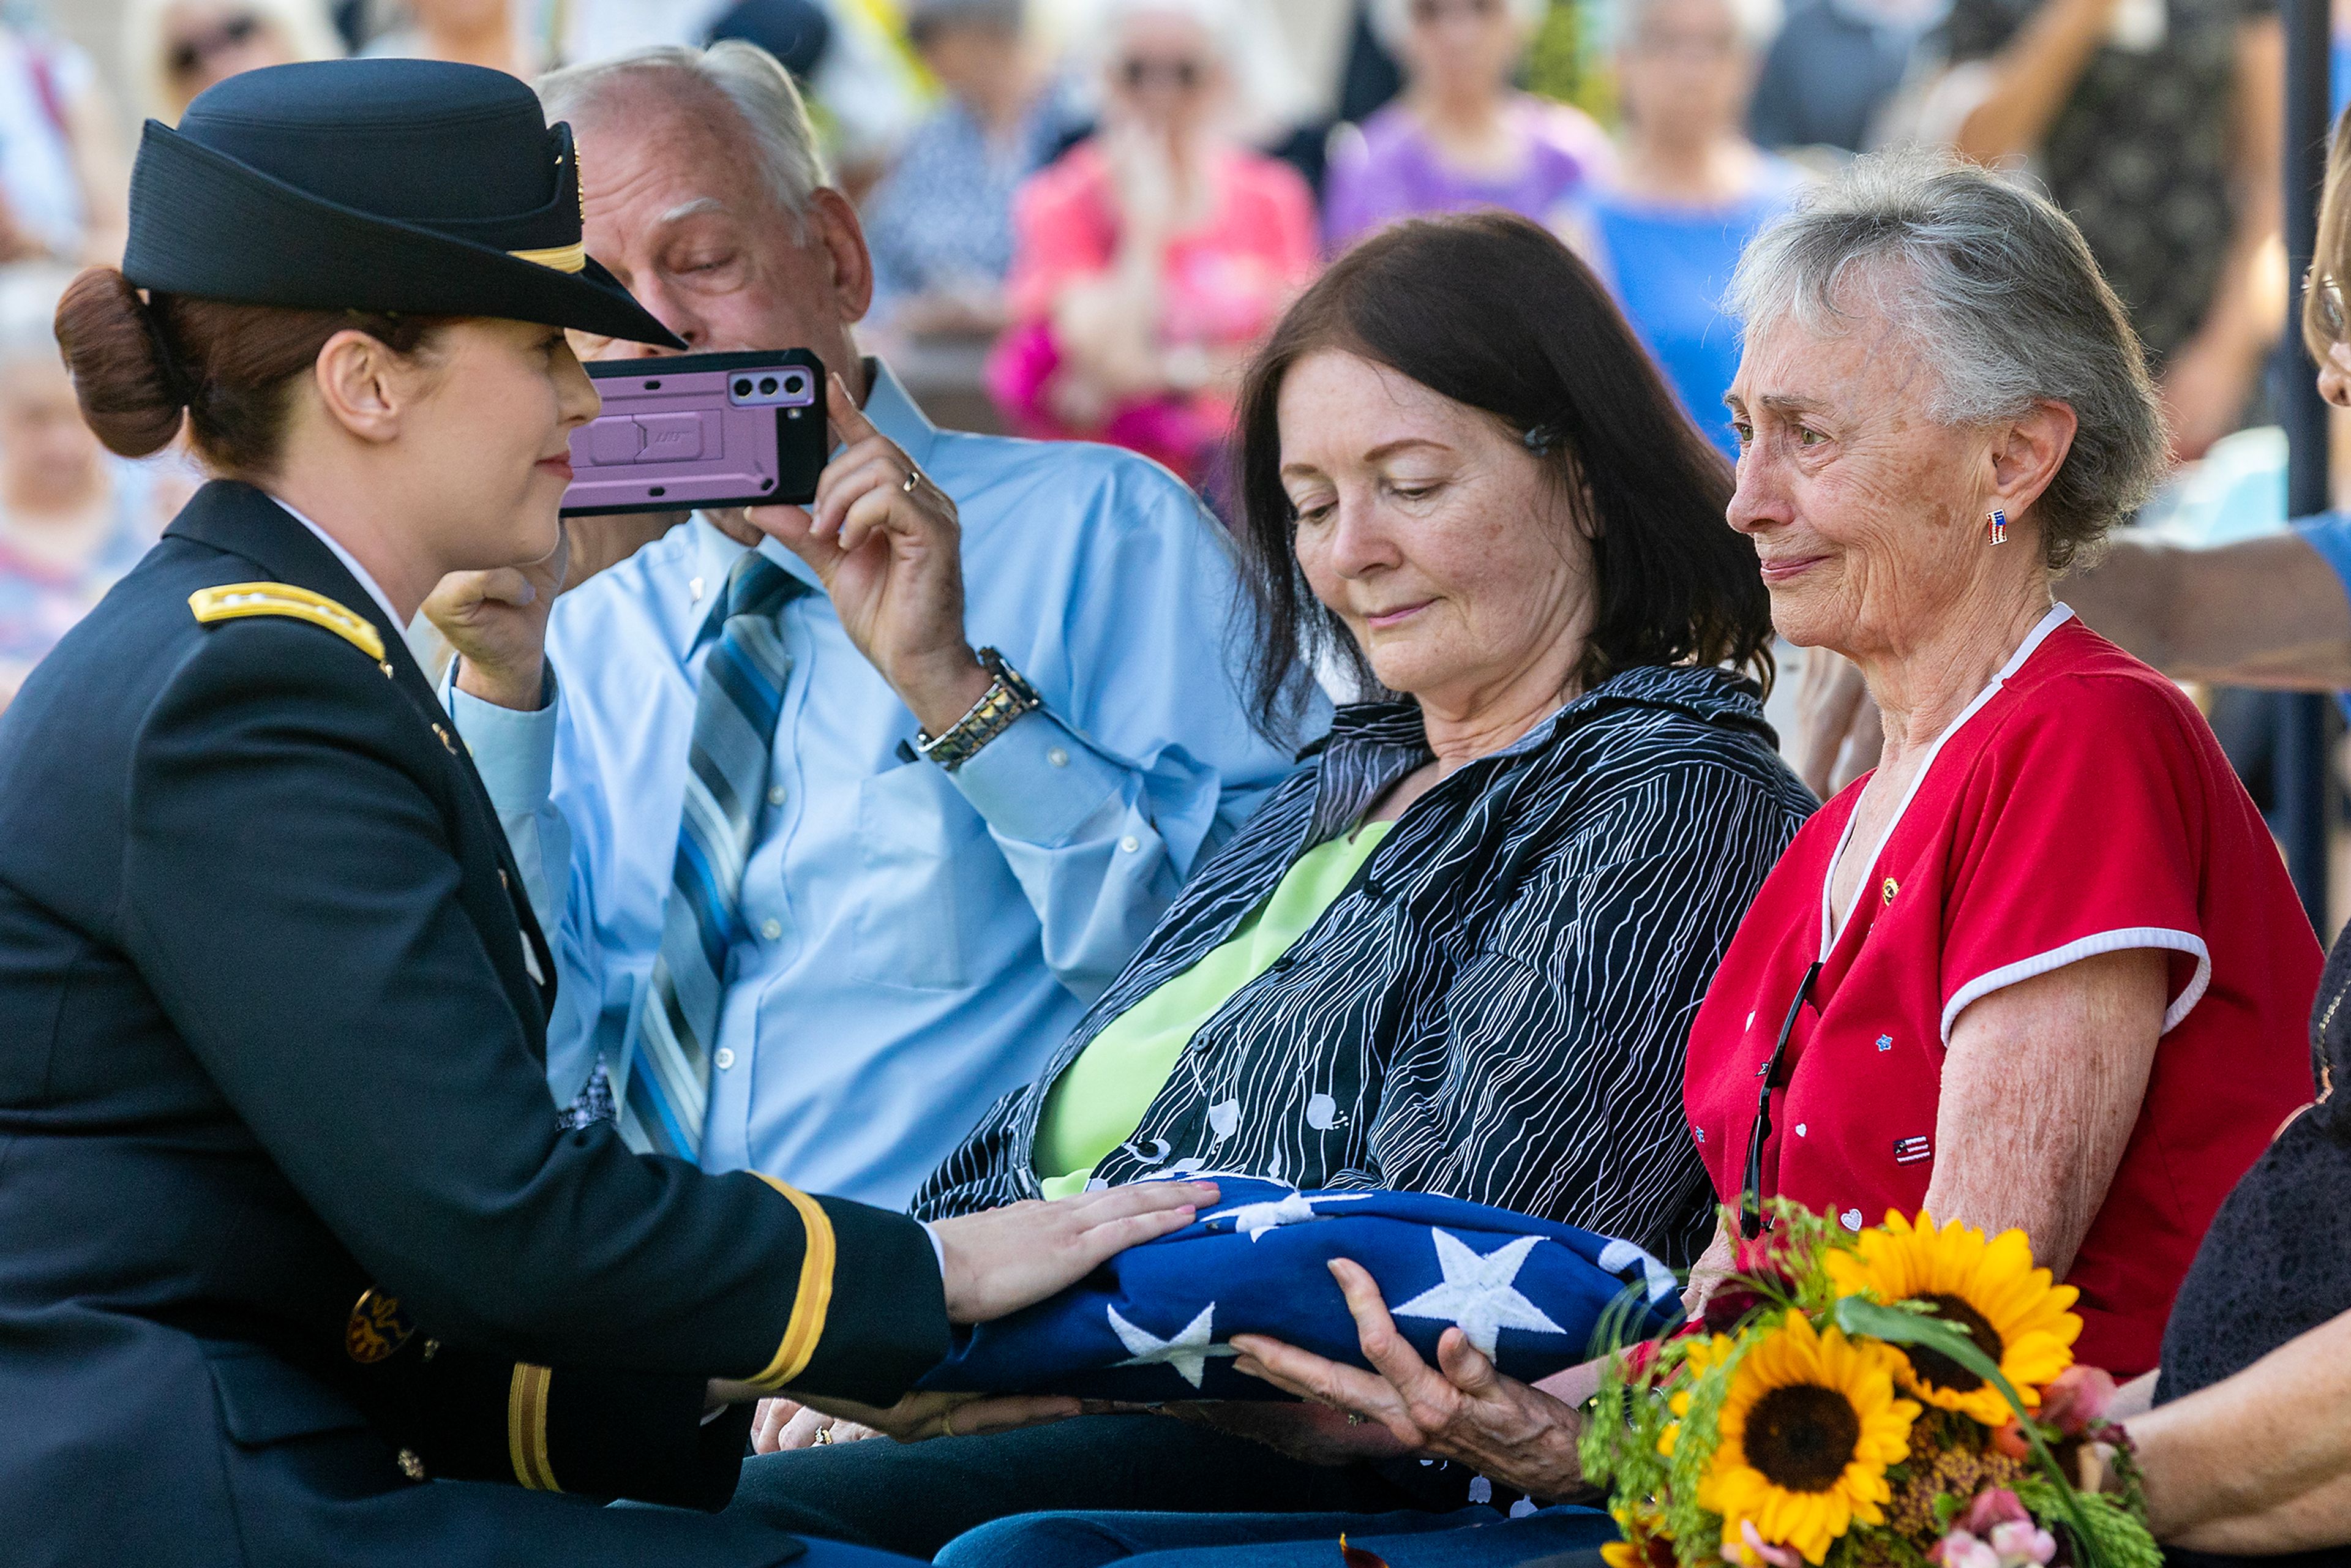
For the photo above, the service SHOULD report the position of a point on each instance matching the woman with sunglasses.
(173, 49)
(1151, 259)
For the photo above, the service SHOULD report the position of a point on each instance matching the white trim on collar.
(350, 562)
(1830, 928)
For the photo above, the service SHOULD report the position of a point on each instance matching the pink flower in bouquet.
(2076, 1400)
(1752, 1551)
(1995, 1531)
(2020, 1543)
(1961, 1550)
(1994, 1507)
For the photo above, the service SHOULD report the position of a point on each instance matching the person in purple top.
(1462, 136)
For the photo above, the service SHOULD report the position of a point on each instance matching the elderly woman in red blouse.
(2043, 968)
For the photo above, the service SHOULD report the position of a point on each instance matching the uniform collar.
(231, 515)
(350, 562)
(711, 555)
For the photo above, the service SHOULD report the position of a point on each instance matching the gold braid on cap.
(571, 257)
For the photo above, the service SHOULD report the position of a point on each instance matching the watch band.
(1006, 698)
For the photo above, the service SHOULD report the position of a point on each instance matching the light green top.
(1098, 1100)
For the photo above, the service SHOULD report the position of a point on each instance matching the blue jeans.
(1468, 1538)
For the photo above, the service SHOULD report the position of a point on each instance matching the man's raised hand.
(887, 546)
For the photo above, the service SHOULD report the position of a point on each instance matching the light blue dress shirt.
(919, 941)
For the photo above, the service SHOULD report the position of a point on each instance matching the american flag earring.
(1998, 526)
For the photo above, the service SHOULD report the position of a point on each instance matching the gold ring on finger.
(913, 479)
(947, 1422)
(824, 1435)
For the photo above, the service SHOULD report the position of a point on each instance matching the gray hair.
(1996, 290)
(781, 140)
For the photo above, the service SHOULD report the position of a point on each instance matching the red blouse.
(2079, 806)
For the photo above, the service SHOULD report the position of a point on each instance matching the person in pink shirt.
(1150, 259)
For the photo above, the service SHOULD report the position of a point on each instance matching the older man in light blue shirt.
(911, 941)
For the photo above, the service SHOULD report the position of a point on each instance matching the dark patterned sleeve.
(1548, 1077)
(982, 1172)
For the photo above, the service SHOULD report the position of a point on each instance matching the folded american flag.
(1151, 1324)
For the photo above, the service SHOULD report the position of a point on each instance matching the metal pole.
(2305, 789)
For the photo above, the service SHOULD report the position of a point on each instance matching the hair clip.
(1542, 438)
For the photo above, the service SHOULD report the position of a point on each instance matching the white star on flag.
(1254, 1219)
(1478, 1293)
(1188, 1352)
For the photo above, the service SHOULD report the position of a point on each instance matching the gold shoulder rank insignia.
(234, 601)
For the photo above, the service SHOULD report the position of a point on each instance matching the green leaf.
(1859, 1316)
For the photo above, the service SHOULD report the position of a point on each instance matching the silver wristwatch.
(1006, 698)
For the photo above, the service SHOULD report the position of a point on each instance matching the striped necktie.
(667, 1086)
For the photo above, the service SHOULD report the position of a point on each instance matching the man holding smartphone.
(973, 722)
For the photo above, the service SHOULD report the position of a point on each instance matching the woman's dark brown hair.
(1492, 312)
(140, 364)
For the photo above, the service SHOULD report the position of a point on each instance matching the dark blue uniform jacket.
(270, 1040)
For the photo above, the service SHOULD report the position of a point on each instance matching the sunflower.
(2011, 1309)
(1700, 1353)
(1808, 1428)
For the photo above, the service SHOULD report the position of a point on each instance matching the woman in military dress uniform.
(295, 1266)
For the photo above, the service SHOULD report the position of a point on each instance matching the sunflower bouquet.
(1902, 1398)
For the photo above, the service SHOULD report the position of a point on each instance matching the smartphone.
(701, 430)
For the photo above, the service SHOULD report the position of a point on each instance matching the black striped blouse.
(1495, 1008)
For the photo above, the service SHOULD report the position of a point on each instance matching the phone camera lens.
(795, 385)
(742, 388)
(766, 386)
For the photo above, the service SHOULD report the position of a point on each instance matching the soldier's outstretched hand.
(1011, 1258)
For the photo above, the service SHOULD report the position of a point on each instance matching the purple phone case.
(701, 430)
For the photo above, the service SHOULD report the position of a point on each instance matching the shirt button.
(695, 588)
(775, 795)
(1058, 758)
(772, 929)
(1130, 843)
(724, 1059)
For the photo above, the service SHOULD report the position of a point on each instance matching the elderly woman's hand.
(1462, 1409)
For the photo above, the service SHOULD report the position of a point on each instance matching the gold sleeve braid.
(527, 1426)
(811, 1301)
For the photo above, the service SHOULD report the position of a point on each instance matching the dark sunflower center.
(1802, 1436)
(1941, 1370)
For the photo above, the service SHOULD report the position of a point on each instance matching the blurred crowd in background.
(1085, 213)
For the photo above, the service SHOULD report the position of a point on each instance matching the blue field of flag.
(1152, 1325)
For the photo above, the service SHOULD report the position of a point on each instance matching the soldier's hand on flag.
(1007, 1258)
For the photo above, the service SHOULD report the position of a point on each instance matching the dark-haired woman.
(288, 1223)
(1458, 952)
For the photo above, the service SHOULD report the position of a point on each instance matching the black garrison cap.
(411, 186)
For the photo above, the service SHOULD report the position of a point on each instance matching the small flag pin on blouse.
(1998, 521)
